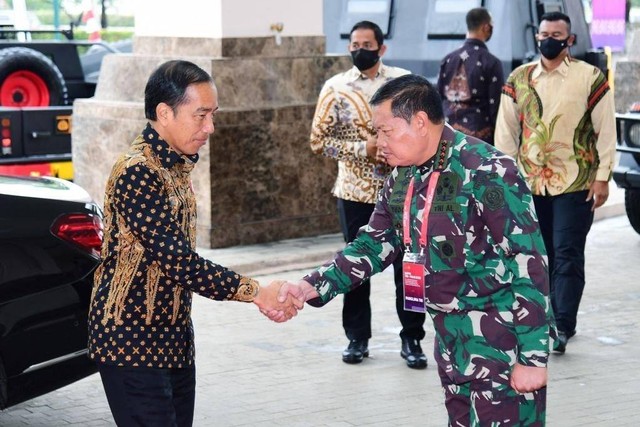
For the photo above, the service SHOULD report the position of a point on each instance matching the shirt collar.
(475, 42)
(354, 74)
(167, 155)
(563, 68)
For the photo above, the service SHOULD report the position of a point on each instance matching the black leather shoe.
(560, 344)
(356, 351)
(412, 353)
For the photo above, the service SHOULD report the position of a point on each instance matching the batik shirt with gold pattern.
(140, 312)
(560, 125)
(341, 127)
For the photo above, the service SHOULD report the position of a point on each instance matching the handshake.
(281, 300)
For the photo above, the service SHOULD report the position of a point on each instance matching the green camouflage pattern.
(492, 402)
(487, 287)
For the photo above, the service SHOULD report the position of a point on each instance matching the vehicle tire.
(30, 79)
(632, 206)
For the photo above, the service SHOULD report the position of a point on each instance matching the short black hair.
(169, 83)
(368, 25)
(557, 16)
(410, 94)
(477, 17)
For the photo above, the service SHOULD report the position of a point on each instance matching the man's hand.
(276, 309)
(525, 379)
(301, 291)
(598, 192)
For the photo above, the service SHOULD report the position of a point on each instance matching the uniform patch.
(485, 180)
(444, 200)
(493, 198)
(447, 249)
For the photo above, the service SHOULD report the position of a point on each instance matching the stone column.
(257, 180)
(627, 76)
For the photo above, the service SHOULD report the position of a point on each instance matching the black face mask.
(365, 59)
(490, 33)
(550, 48)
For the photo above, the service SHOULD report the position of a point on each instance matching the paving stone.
(252, 372)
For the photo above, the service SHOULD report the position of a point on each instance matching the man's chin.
(194, 149)
(395, 163)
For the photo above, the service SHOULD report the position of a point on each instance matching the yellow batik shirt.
(559, 125)
(341, 127)
(140, 313)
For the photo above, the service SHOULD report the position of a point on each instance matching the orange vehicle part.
(62, 170)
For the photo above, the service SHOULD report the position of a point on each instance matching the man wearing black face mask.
(471, 79)
(342, 130)
(557, 118)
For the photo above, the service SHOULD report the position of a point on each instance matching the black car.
(627, 173)
(50, 238)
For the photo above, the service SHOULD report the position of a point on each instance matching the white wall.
(227, 18)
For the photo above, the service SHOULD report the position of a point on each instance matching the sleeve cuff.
(323, 297)
(538, 359)
(247, 290)
(603, 175)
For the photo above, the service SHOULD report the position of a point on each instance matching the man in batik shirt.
(140, 330)
(557, 119)
(342, 130)
(471, 79)
(463, 206)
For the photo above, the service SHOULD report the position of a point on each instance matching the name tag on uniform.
(413, 282)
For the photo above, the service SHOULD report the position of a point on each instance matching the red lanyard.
(406, 214)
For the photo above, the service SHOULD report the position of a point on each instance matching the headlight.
(632, 133)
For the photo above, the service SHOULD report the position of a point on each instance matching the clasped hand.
(275, 307)
(281, 300)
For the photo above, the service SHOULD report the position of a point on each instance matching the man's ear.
(421, 122)
(163, 112)
(383, 49)
(573, 39)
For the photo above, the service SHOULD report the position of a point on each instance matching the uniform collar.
(440, 160)
(167, 155)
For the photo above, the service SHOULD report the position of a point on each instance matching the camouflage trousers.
(491, 402)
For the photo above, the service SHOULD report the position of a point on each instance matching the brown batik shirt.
(341, 127)
(140, 312)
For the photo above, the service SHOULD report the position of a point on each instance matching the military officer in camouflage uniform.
(472, 230)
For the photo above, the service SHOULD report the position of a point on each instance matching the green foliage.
(46, 18)
(39, 5)
(106, 35)
(43, 9)
(80, 34)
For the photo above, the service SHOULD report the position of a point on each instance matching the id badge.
(413, 282)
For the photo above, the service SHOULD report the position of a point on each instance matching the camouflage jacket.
(487, 287)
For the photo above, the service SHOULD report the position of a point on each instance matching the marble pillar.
(257, 181)
(627, 76)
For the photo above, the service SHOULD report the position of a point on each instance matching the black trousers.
(356, 310)
(565, 221)
(153, 397)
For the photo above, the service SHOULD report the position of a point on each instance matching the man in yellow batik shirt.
(557, 118)
(342, 130)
